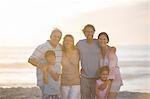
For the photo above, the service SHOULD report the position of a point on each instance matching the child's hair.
(104, 68)
(49, 52)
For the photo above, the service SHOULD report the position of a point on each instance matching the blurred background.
(24, 24)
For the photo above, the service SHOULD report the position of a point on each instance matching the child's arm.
(97, 91)
(108, 89)
(54, 75)
(45, 75)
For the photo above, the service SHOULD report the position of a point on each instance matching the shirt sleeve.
(37, 53)
(113, 60)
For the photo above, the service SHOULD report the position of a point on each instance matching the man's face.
(55, 37)
(89, 32)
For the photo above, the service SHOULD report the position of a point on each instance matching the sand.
(35, 93)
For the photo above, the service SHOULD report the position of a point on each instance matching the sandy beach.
(34, 93)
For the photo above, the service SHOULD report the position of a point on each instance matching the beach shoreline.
(35, 93)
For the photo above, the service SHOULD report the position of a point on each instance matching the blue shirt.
(89, 56)
(53, 87)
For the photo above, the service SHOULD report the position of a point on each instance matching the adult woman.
(70, 79)
(109, 58)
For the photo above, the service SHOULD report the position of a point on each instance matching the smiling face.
(55, 37)
(103, 40)
(68, 42)
(89, 32)
(51, 59)
(104, 75)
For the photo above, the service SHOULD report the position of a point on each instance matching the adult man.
(89, 56)
(37, 58)
(90, 62)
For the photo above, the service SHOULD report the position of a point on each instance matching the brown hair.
(104, 33)
(49, 52)
(68, 35)
(104, 68)
(88, 25)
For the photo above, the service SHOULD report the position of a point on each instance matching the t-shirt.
(53, 87)
(89, 56)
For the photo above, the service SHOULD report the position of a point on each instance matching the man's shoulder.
(81, 41)
(42, 45)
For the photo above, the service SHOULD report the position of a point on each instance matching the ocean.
(134, 63)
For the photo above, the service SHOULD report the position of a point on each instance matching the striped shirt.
(39, 54)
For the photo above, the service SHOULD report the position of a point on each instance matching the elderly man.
(37, 58)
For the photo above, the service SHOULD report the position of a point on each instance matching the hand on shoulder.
(113, 49)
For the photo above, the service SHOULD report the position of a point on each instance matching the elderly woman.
(109, 58)
(70, 79)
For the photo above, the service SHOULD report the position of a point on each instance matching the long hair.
(63, 46)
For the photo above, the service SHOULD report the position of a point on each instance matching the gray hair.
(56, 30)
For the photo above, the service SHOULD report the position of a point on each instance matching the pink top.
(111, 60)
(102, 93)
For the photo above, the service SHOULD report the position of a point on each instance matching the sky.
(29, 22)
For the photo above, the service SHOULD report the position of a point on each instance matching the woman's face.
(103, 40)
(104, 75)
(68, 42)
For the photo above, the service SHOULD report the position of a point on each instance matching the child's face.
(51, 59)
(104, 75)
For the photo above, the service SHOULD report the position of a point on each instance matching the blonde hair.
(103, 68)
(68, 35)
(48, 53)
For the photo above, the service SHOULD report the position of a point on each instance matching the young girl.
(103, 84)
(110, 59)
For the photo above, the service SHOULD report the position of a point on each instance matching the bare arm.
(35, 63)
(113, 49)
(108, 89)
(54, 75)
(97, 91)
(45, 75)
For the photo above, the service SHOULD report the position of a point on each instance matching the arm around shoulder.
(113, 49)
(33, 62)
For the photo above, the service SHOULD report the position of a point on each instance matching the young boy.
(103, 84)
(51, 75)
